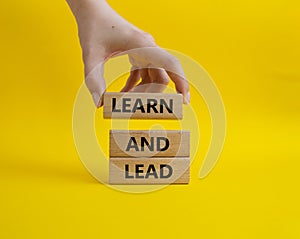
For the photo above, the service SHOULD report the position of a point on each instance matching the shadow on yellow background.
(250, 48)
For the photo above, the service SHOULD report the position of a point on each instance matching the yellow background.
(250, 48)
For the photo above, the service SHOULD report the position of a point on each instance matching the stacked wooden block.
(147, 156)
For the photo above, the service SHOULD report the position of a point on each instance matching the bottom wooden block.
(149, 170)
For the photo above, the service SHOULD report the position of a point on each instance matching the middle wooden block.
(149, 143)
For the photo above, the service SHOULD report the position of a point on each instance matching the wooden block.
(149, 143)
(149, 170)
(142, 105)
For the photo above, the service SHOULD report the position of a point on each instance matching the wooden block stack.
(147, 156)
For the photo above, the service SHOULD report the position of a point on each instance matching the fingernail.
(186, 98)
(96, 99)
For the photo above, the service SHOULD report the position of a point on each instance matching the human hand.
(104, 34)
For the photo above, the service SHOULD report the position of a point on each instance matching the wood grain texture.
(142, 105)
(180, 168)
(122, 143)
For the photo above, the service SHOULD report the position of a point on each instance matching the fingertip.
(186, 94)
(98, 100)
(188, 98)
(100, 104)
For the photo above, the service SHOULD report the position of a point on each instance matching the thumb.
(95, 83)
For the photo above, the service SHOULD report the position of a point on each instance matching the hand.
(103, 34)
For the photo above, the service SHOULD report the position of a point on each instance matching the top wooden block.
(142, 105)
